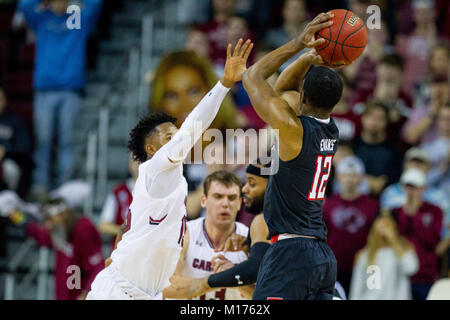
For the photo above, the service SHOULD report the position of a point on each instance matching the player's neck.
(217, 235)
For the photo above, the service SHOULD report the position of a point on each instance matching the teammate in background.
(147, 255)
(244, 273)
(221, 199)
(299, 264)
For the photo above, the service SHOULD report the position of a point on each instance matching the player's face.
(222, 203)
(163, 133)
(183, 89)
(253, 193)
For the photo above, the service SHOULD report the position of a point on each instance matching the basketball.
(345, 39)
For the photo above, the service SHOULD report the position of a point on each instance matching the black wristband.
(242, 274)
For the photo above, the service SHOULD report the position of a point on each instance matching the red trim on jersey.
(154, 221)
(274, 298)
(274, 238)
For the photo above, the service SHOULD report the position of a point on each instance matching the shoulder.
(241, 229)
(86, 227)
(195, 226)
(432, 208)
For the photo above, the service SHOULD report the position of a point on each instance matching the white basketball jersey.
(150, 248)
(197, 262)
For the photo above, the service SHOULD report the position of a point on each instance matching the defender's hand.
(236, 64)
(307, 38)
(235, 242)
(220, 263)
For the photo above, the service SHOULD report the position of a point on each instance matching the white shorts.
(111, 285)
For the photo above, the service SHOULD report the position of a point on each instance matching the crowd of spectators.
(387, 198)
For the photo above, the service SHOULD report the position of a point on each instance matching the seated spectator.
(76, 242)
(388, 91)
(421, 128)
(348, 216)
(361, 74)
(59, 79)
(415, 48)
(381, 159)
(439, 68)
(294, 20)
(347, 121)
(394, 196)
(394, 260)
(215, 29)
(115, 209)
(15, 150)
(421, 223)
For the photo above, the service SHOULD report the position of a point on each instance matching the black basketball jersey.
(294, 195)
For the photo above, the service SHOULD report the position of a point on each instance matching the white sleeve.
(108, 210)
(174, 152)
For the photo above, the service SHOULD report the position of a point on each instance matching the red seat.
(19, 84)
(26, 55)
(6, 18)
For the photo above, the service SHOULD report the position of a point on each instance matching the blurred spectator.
(181, 80)
(421, 223)
(439, 68)
(421, 127)
(59, 78)
(347, 121)
(361, 74)
(394, 258)
(381, 159)
(197, 40)
(394, 196)
(415, 48)
(443, 18)
(216, 30)
(77, 243)
(388, 92)
(15, 149)
(115, 209)
(294, 20)
(348, 216)
(439, 152)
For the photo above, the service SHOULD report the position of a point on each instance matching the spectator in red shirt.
(216, 30)
(348, 216)
(420, 223)
(76, 242)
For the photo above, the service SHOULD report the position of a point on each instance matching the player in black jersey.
(299, 264)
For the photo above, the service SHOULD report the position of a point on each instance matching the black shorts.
(297, 269)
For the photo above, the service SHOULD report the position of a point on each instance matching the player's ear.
(150, 149)
(203, 201)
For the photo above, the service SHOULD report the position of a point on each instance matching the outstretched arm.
(268, 103)
(177, 149)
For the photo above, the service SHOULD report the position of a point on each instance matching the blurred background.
(69, 98)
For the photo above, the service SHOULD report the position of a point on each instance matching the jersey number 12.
(317, 191)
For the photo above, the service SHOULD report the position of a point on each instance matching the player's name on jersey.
(327, 144)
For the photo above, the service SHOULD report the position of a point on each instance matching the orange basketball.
(345, 39)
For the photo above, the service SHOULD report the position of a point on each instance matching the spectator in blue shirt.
(59, 79)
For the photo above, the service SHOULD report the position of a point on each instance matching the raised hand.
(236, 63)
(307, 37)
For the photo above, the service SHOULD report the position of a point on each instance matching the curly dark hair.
(142, 130)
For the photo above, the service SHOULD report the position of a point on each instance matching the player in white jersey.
(147, 255)
(222, 200)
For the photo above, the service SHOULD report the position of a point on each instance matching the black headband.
(252, 169)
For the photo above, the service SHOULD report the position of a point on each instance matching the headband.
(252, 169)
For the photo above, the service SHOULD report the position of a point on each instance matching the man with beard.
(244, 273)
(76, 242)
